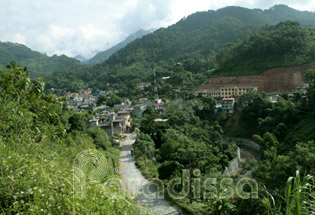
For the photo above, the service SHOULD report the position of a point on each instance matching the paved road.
(134, 182)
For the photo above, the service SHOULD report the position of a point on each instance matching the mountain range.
(195, 43)
(41, 65)
(104, 55)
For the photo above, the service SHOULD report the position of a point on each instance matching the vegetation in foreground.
(39, 141)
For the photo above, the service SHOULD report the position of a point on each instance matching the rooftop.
(238, 86)
(228, 99)
(158, 104)
(209, 90)
(123, 112)
(118, 120)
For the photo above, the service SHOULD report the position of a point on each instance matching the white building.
(228, 105)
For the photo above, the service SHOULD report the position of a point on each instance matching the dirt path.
(134, 182)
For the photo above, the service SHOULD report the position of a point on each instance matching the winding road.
(137, 185)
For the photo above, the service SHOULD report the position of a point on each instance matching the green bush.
(167, 168)
(38, 158)
(100, 137)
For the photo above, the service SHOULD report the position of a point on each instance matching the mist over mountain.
(104, 55)
(80, 58)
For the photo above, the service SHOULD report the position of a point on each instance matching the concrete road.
(137, 185)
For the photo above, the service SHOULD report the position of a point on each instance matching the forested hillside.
(194, 42)
(281, 45)
(104, 55)
(39, 64)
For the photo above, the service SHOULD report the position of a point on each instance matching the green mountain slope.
(104, 55)
(204, 33)
(39, 64)
(285, 44)
(193, 41)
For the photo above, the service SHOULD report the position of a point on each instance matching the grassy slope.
(302, 131)
(37, 178)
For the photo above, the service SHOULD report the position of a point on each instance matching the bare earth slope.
(282, 79)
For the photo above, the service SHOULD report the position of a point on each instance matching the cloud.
(2, 13)
(62, 27)
(84, 27)
(145, 14)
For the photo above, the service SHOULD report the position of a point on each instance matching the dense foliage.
(192, 139)
(39, 142)
(285, 44)
(285, 132)
(110, 99)
(189, 140)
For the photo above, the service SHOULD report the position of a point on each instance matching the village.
(117, 119)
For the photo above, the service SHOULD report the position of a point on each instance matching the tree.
(203, 107)
(154, 129)
(77, 122)
(101, 100)
(113, 99)
(305, 156)
(100, 137)
(310, 77)
(266, 125)
(167, 169)
(270, 140)
(148, 111)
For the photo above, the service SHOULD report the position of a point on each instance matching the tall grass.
(299, 195)
(36, 178)
(298, 198)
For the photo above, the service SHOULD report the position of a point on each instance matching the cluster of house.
(110, 121)
(143, 85)
(116, 120)
(84, 98)
(81, 100)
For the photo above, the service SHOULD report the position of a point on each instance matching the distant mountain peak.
(80, 58)
(104, 55)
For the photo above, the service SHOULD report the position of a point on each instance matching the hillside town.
(117, 119)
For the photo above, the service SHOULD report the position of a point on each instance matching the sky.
(85, 27)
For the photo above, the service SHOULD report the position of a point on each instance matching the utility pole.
(155, 86)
